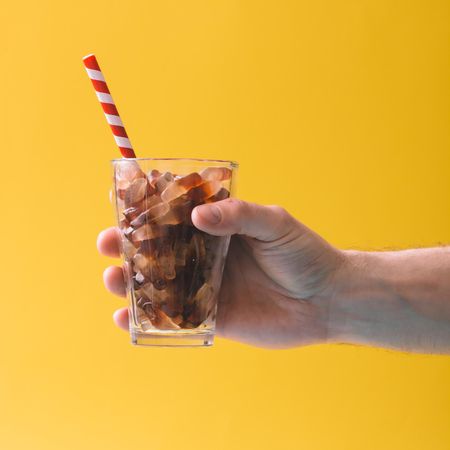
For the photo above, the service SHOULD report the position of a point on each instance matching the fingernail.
(210, 213)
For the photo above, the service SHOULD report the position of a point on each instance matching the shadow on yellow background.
(339, 111)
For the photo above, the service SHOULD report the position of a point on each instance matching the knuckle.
(233, 201)
(280, 212)
(239, 206)
(236, 215)
(282, 216)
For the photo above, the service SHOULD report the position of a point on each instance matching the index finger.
(108, 242)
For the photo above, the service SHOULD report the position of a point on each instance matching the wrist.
(361, 296)
(395, 300)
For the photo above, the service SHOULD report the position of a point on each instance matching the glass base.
(172, 338)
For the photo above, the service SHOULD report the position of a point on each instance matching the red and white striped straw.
(108, 105)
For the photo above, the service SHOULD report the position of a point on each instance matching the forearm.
(396, 300)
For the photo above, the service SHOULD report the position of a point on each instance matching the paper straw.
(108, 105)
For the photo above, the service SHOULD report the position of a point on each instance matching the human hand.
(278, 279)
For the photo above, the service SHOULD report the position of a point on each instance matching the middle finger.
(108, 242)
(114, 280)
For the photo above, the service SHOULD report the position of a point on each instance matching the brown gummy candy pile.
(170, 260)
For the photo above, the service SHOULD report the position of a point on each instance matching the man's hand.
(278, 279)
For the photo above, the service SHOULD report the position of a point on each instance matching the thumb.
(232, 216)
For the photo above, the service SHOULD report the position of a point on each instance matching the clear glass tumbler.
(173, 271)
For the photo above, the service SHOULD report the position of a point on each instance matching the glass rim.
(233, 164)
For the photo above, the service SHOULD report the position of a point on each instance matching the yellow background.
(338, 110)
